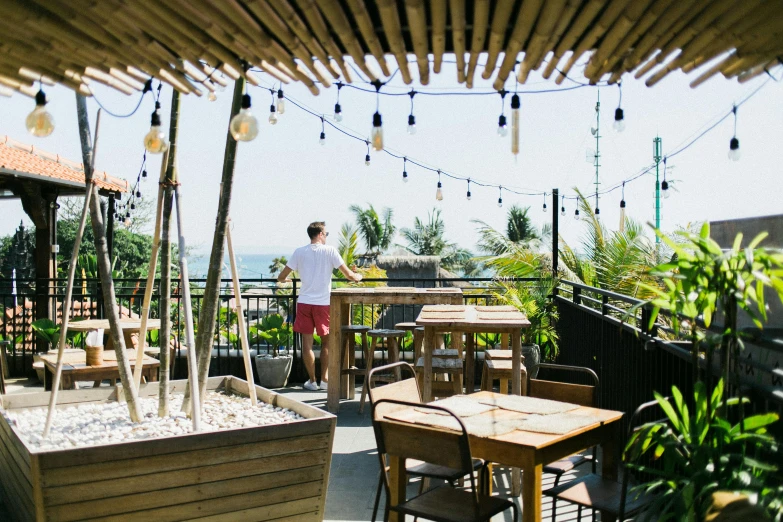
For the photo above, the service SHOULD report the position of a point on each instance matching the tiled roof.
(28, 161)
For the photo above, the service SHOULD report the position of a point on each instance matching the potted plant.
(273, 369)
(532, 299)
(46, 330)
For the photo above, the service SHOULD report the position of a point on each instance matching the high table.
(469, 320)
(75, 368)
(339, 315)
(129, 327)
(527, 450)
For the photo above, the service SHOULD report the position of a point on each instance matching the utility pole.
(597, 156)
(657, 158)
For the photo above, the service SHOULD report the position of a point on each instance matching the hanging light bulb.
(576, 214)
(515, 104)
(244, 126)
(40, 122)
(272, 114)
(468, 196)
(367, 157)
(622, 210)
(439, 191)
(338, 111)
(144, 173)
(562, 206)
(500, 197)
(404, 170)
(411, 117)
(622, 202)
(502, 129)
(155, 140)
(322, 139)
(280, 102)
(212, 96)
(127, 221)
(133, 206)
(138, 194)
(665, 189)
(619, 121)
(734, 150)
(597, 212)
(544, 208)
(377, 131)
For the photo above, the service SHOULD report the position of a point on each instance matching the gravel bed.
(109, 423)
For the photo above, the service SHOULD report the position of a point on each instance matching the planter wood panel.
(278, 472)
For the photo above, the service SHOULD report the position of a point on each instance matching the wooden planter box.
(278, 472)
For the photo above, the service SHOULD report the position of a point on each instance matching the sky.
(284, 179)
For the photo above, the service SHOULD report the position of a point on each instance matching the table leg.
(504, 341)
(398, 482)
(456, 341)
(346, 380)
(516, 362)
(531, 494)
(335, 325)
(429, 343)
(470, 363)
(47, 379)
(609, 461)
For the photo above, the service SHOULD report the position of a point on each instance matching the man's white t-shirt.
(314, 263)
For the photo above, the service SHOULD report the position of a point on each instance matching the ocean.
(251, 266)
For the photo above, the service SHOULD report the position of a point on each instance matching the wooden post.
(104, 265)
(165, 302)
(69, 288)
(241, 319)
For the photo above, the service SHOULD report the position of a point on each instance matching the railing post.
(604, 304)
(577, 295)
(555, 234)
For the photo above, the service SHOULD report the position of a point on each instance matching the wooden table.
(339, 313)
(469, 320)
(129, 327)
(75, 368)
(529, 451)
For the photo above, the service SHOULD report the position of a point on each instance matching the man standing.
(314, 264)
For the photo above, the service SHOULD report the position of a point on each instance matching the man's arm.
(283, 276)
(351, 276)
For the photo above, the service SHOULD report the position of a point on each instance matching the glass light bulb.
(244, 126)
(562, 211)
(502, 131)
(367, 160)
(155, 140)
(280, 105)
(666, 193)
(411, 129)
(322, 142)
(127, 222)
(439, 194)
(212, 96)
(544, 207)
(515, 131)
(39, 122)
(376, 136)
(500, 202)
(576, 214)
(273, 118)
(734, 150)
(404, 177)
(619, 125)
(338, 117)
(468, 196)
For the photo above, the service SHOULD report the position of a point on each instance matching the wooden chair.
(600, 494)
(583, 395)
(441, 447)
(393, 349)
(347, 337)
(408, 390)
(501, 370)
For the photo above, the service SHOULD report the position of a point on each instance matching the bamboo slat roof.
(121, 43)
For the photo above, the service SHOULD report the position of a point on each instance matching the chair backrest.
(581, 394)
(406, 390)
(414, 441)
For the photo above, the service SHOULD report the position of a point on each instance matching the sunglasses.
(326, 234)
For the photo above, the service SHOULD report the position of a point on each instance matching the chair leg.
(557, 479)
(377, 497)
(579, 514)
(368, 359)
(394, 356)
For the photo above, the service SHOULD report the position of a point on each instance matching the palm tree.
(519, 232)
(348, 244)
(426, 239)
(277, 265)
(376, 231)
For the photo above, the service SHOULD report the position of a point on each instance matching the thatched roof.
(122, 43)
(409, 267)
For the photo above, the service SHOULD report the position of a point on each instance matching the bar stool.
(392, 346)
(417, 340)
(349, 370)
(448, 364)
(500, 369)
(497, 354)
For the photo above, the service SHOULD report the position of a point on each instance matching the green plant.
(693, 454)
(273, 330)
(48, 331)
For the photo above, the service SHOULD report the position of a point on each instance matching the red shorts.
(312, 317)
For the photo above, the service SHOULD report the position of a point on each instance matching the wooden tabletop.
(103, 324)
(468, 318)
(74, 360)
(394, 291)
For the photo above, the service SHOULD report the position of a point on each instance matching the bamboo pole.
(522, 28)
(535, 49)
(209, 308)
(457, 10)
(195, 393)
(480, 21)
(104, 267)
(165, 303)
(317, 24)
(66, 309)
(417, 24)
(497, 34)
(583, 20)
(338, 21)
(390, 20)
(438, 24)
(365, 25)
(241, 319)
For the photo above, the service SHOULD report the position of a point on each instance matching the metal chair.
(598, 493)
(408, 391)
(441, 447)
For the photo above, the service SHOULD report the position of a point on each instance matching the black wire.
(102, 106)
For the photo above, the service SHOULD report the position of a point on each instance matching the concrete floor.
(354, 471)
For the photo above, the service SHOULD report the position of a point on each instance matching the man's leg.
(308, 356)
(324, 358)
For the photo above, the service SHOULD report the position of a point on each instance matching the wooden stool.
(498, 354)
(446, 363)
(349, 371)
(418, 340)
(500, 369)
(392, 345)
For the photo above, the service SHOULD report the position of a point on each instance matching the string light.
(272, 110)
(439, 192)
(377, 123)
(468, 196)
(405, 170)
(500, 197)
(502, 129)
(212, 96)
(664, 183)
(280, 102)
(562, 206)
(322, 139)
(367, 157)
(544, 203)
(619, 116)
(138, 194)
(734, 149)
(622, 210)
(515, 105)
(411, 117)
(338, 111)
(622, 200)
(576, 213)
(155, 140)
(40, 122)
(244, 126)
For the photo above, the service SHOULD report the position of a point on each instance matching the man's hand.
(356, 277)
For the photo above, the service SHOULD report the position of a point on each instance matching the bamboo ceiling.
(121, 43)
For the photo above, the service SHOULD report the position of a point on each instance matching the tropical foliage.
(427, 239)
(376, 230)
(520, 232)
(48, 331)
(272, 330)
(277, 265)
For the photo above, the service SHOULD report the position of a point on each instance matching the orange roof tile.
(18, 158)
